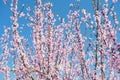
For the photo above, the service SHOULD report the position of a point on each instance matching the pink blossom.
(114, 1)
(81, 47)
(5, 1)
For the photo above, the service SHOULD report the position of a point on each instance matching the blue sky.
(60, 7)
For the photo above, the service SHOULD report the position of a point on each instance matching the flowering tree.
(62, 52)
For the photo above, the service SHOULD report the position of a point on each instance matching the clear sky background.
(60, 7)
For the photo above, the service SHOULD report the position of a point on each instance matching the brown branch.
(102, 66)
(97, 27)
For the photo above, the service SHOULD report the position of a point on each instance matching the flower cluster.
(62, 51)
